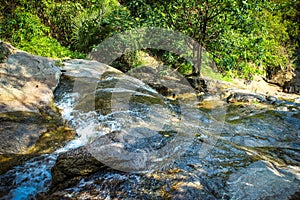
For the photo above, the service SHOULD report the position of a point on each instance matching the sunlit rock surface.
(29, 122)
(142, 141)
(255, 156)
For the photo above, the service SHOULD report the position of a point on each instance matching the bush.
(29, 34)
(61, 17)
(93, 26)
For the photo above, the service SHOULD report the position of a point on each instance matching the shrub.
(29, 34)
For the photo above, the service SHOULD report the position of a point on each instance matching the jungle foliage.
(243, 37)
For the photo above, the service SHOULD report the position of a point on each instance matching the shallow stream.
(170, 149)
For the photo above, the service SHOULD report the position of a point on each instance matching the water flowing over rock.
(254, 157)
(135, 109)
(153, 138)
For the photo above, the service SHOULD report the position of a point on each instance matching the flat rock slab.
(78, 68)
(261, 180)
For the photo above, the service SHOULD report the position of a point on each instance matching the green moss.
(52, 140)
(21, 116)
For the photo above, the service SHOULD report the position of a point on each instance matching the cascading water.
(256, 154)
(35, 175)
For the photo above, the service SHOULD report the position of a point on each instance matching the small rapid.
(157, 147)
(35, 175)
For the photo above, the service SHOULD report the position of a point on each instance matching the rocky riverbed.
(141, 139)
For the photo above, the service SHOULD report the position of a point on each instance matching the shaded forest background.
(243, 37)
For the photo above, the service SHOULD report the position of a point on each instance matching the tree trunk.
(197, 59)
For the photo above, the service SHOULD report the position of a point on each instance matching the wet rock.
(165, 81)
(261, 180)
(211, 102)
(250, 141)
(282, 108)
(272, 98)
(245, 97)
(161, 89)
(297, 100)
(27, 134)
(72, 165)
(287, 105)
(230, 170)
(136, 150)
(102, 87)
(17, 137)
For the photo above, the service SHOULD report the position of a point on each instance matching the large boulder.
(99, 87)
(28, 116)
(71, 165)
(27, 81)
(288, 79)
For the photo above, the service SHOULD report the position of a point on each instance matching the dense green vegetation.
(243, 37)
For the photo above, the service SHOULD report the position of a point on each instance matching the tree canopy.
(243, 37)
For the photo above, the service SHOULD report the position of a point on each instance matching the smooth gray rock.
(26, 81)
(261, 180)
(245, 97)
(27, 111)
